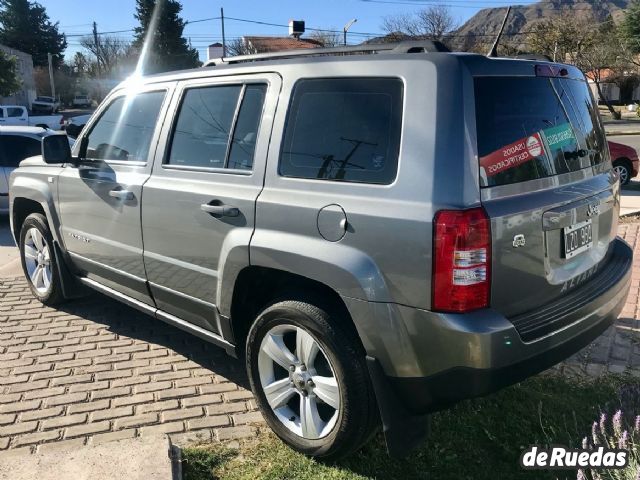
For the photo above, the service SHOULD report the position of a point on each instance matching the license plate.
(577, 238)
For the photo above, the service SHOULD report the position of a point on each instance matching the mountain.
(484, 25)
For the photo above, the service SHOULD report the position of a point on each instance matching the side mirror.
(56, 149)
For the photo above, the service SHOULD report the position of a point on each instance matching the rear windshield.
(535, 127)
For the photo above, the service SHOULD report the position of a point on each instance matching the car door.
(99, 198)
(198, 206)
(17, 116)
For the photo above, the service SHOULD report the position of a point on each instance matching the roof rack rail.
(415, 46)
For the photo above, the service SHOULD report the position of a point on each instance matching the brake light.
(461, 260)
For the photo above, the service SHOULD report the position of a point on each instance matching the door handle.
(121, 194)
(222, 210)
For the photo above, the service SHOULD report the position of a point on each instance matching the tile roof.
(276, 44)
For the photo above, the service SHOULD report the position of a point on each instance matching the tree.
(327, 38)
(9, 82)
(162, 27)
(431, 23)
(595, 50)
(237, 47)
(25, 26)
(108, 51)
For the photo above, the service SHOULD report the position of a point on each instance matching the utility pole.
(224, 43)
(51, 82)
(95, 41)
(346, 29)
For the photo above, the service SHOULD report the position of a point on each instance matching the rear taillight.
(461, 260)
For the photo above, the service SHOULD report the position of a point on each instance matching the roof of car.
(24, 130)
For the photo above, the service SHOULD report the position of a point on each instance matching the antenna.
(494, 50)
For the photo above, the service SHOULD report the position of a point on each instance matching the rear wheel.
(310, 379)
(39, 261)
(623, 171)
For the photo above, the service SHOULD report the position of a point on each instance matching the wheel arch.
(257, 286)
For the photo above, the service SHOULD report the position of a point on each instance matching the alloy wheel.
(622, 172)
(37, 258)
(299, 381)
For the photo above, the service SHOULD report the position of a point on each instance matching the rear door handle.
(121, 194)
(222, 210)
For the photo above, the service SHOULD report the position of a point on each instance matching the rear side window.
(344, 129)
(535, 127)
(16, 148)
(125, 129)
(207, 120)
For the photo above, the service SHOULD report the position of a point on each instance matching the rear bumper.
(464, 356)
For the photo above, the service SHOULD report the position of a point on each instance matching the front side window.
(208, 134)
(125, 129)
(16, 148)
(344, 130)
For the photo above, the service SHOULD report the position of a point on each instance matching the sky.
(75, 17)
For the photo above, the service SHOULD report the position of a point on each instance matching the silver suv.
(381, 231)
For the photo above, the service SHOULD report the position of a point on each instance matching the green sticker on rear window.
(560, 136)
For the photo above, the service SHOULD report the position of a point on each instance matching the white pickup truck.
(15, 115)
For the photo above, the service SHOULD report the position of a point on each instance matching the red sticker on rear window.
(513, 155)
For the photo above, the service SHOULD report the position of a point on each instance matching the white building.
(27, 93)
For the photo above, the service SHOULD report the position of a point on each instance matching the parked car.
(45, 104)
(15, 115)
(16, 144)
(75, 124)
(81, 101)
(416, 228)
(625, 161)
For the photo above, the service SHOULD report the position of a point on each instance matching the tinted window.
(245, 133)
(16, 148)
(125, 129)
(1, 113)
(201, 134)
(534, 127)
(344, 130)
(14, 112)
(206, 122)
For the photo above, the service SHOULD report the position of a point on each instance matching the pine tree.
(168, 49)
(9, 83)
(630, 26)
(25, 26)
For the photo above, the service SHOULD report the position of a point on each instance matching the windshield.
(543, 127)
(44, 99)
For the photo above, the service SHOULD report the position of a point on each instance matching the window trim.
(401, 127)
(102, 111)
(165, 165)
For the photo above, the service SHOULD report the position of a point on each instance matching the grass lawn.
(477, 439)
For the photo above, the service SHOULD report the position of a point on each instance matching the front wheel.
(310, 379)
(39, 261)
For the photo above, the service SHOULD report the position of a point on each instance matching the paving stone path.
(95, 370)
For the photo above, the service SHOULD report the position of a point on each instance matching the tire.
(36, 253)
(344, 414)
(623, 171)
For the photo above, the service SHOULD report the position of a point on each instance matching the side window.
(245, 134)
(17, 148)
(125, 129)
(205, 124)
(14, 112)
(344, 130)
(1, 112)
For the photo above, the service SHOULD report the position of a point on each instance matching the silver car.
(16, 144)
(379, 231)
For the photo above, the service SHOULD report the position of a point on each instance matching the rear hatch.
(547, 186)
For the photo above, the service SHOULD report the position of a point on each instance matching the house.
(215, 50)
(27, 92)
(276, 44)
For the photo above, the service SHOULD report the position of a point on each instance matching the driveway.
(95, 370)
